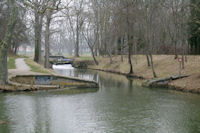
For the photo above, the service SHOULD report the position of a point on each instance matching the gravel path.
(21, 65)
(21, 68)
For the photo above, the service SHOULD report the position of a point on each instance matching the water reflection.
(119, 106)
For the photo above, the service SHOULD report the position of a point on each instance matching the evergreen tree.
(194, 38)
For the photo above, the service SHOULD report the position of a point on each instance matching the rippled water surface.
(119, 106)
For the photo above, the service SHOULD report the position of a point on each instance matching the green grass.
(36, 67)
(11, 63)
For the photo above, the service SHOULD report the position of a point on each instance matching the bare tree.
(53, 8)
(4, 44)
(91, 39)
(39, 8)
(76, 20)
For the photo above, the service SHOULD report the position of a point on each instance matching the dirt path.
(21, 65)
(21, 68)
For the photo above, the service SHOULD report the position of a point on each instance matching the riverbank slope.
(165, 66)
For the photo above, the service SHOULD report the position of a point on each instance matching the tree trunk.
(93, 56)
(130, 62)
(110, 56)
(183, 61)
(148, 62)
(3, 67)
(38, 30)
(36, 56)
(4, 45)
(130, 47)
(175, 51)
(15, 50)
(152, 65)
(130, 42)
(77, 38)
(25, 50)
(47, 36)
(122, 58)
(183, 54)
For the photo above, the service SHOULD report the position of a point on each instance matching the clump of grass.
(11, 63)
(37, 67)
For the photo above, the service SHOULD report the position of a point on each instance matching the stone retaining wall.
(45, 82)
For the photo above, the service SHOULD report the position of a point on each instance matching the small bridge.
(59, 60)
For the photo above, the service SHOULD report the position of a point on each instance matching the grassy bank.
(35, 67)
(165, 66)
(11, 63)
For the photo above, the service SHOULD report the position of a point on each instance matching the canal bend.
(120, 105)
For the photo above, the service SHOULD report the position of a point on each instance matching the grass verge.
(11, 63)
(37, 67)
(12, 58)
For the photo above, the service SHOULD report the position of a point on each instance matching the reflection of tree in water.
(95, 78)
(4, 128)
(130, 85)
(42, 118)
(104, 79)
(110, 81)
(76, 73)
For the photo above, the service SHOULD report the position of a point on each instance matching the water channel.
(119, 106)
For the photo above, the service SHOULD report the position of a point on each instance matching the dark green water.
(119, 106)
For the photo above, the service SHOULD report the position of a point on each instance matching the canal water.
(119, 106)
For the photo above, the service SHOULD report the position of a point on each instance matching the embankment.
(165, 66)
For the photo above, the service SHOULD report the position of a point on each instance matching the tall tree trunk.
(77, 38)
(93, 56)
(183, 61)
(121, 52)
(152, 65)
(3, 67)
(110, 55)
(47, 36)
(4, 45)
(36, 56)
(122, 58)
(130, 47)
(151, 42)
(148, 62)
(130, 38)
(97, 42)
(175, 50)
(38, 30)
(15, 50)
(129, 60)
